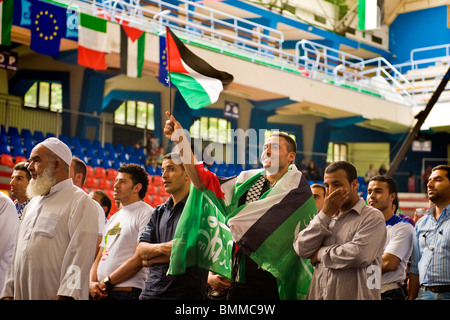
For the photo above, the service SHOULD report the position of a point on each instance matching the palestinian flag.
(92, 42)
(6, 15)
(264, 229)
(198, 82)
(135, 51)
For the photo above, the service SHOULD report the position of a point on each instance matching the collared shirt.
(431, 252)
(55, 248)
(349, 251)
(20, 207)
(159, 285)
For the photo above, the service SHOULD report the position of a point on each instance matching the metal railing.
(224, 32)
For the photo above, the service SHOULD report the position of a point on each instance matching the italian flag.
(135, 51)
(368, 14)
(198, 82)
(6, 15)
(92, 42)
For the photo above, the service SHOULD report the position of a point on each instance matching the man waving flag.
(198, 82)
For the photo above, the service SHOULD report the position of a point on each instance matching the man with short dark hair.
(319, 192)
(155, 243)
(103, 199)
(20, 178)
(78, 171)
(117, 272)
(429, 275)
(381, 194)
(344, 241)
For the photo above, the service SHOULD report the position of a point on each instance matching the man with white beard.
(57, 237)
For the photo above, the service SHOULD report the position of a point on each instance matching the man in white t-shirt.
(117, 272)
(381, 193)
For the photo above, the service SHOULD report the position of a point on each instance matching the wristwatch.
(107, 282)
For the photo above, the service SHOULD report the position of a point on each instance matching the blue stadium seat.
(13, 131)
(38, 136)
(4, 138)
(119, 148)
(64, 139)
(5, 149)
(97, 145)
(25, 133)
(18, 151)
(28, 143)
(108, 147)
(15, 141)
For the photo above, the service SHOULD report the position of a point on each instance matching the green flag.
(201, 238)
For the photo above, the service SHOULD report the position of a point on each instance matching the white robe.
(55, 246)
(9, 222)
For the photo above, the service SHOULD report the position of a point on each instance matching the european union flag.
(163, 76)
(47, 27)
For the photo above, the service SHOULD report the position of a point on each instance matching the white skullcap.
(59, 148)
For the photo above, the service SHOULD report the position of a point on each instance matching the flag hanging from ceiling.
(370, 14)
(163, 69)
(6, 15)
(135, 50)
(92, 42)
(47, 27)
(198, 82)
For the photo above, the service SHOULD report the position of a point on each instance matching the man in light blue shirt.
(429, 274)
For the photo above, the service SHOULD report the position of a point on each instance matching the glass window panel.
(44, 95)
(204, 128)
(119, 114)
(150, 116)
(212, 132)
(56, 97)
(222, 131)
(131, 113)
(194, 131)
(31, 96)
(141, 114)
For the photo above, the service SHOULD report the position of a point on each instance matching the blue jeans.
(428, 295)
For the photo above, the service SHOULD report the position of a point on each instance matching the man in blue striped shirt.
(429, 274)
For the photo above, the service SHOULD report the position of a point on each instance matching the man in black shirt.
(155, 243)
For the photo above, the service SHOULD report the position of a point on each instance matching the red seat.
(91, 182)
(157, 180)
(104, 184)
(157, 200)
(111, 173)
(89, 171)
(100, 172)
(151, 189)
(20, 159)
(7, 160)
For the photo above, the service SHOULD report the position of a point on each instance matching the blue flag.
(47, 27)
(163, 76)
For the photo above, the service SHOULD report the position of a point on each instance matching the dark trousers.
(394, 294)
(132, 294)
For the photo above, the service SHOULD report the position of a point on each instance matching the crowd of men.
(56, 243)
